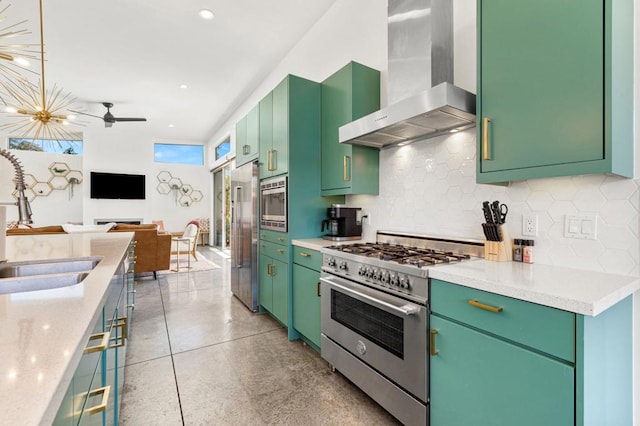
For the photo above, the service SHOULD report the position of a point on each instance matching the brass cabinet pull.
(103, 402)
(104, 341)
(432, 343)
(263, 245)
(318, 288)
(485, 307)
(273, 270)
(303, 254)
(280, 239)
(122, 325)
(346, 163)
(486, 154)
(246, 149)
(269, 269)
(272, 160)
(280, 251)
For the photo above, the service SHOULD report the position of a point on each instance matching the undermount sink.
(45, 267)
(22, 276)
(40, 282)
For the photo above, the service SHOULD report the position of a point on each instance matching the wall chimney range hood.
(424, 103)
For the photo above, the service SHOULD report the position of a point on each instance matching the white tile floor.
(197, 356)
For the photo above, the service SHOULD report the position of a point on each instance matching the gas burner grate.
(406, 255)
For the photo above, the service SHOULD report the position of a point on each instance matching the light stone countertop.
(43, 333)
(319, 243)
(574, 290)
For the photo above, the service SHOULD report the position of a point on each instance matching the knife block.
(499, 251)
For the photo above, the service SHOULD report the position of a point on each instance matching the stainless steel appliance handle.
(238, 233)
(406, 309)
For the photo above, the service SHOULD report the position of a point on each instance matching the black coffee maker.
(342, 223)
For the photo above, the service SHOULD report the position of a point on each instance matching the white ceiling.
(136, 54)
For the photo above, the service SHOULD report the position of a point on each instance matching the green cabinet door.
(477, 379)
(266, 133)
(280, 275)
(278, 158)
(266, 283)
(241, 141)
(306, 303)
(544, 103)
(253, 133)
(348, 94)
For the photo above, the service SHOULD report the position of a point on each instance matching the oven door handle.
(406, 309)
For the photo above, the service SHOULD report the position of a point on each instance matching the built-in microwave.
(273, 207)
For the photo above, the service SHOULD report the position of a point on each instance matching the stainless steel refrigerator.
(244, 234)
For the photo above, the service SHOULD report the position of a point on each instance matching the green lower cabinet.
(266, 283)
(306, 303)
(477, 379)
(274, 287)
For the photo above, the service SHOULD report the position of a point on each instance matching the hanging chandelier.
(14, 57)
(39, 113)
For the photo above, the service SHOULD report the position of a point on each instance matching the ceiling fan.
(109, 118)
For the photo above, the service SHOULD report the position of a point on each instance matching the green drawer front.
(312, 259)
(540, 327)
(274, 236)
(275, 251)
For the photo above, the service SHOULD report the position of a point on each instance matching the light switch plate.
(581, 226)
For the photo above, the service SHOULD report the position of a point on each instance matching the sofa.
(152, 251)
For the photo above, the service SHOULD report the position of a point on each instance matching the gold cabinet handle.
(280, 239)
(272, 160)
(122, 325)
(486, 153)
(318, 289)
(246, 149)
(303, 254)
(281, 251)
(269, 269)
(432, 343)
(103, 402)
(273, 270)
(103, 338)
(263, 245)
(346, 163)
(485, 307)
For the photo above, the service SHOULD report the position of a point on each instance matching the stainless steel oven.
(273, 206)
(375, 316)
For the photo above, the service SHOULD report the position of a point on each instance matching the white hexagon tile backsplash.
(429, 187)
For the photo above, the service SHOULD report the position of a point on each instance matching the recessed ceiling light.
(183, 86)
(171, 125)
(10, 109)
(206, 14)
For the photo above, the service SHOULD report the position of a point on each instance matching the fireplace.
(134, 221)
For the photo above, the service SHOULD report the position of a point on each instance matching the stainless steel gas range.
(375, 315)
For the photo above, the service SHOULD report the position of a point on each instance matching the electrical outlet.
(530, 225)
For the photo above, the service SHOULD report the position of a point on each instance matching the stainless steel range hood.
(420, 34)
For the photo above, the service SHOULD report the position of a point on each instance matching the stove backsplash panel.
(430, 189)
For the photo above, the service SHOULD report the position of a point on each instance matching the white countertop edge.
(578, 303)
(320, 243)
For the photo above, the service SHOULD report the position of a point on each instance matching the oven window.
(377, 325)
(273, 204)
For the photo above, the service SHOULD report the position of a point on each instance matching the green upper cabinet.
(247, 137)
(266, 134)
(350, 93)
(274, 142)
(554, 92)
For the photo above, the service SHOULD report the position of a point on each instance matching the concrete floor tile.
(149, 396)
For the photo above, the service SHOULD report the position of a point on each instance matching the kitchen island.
(44, 332)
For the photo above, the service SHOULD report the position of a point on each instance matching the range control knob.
(331, 262)
(343, 265)
(371, 272)
(362, 270)
(385, 277)
(404, 282)
(393, 279)
(377, 275)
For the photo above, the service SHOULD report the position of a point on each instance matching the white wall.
(429, 187)
(123, 148)
(56, 208)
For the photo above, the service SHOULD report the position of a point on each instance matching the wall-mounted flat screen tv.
(117, 186)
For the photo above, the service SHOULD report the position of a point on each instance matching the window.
(178, 154)
(223, 149)
(57, 146)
